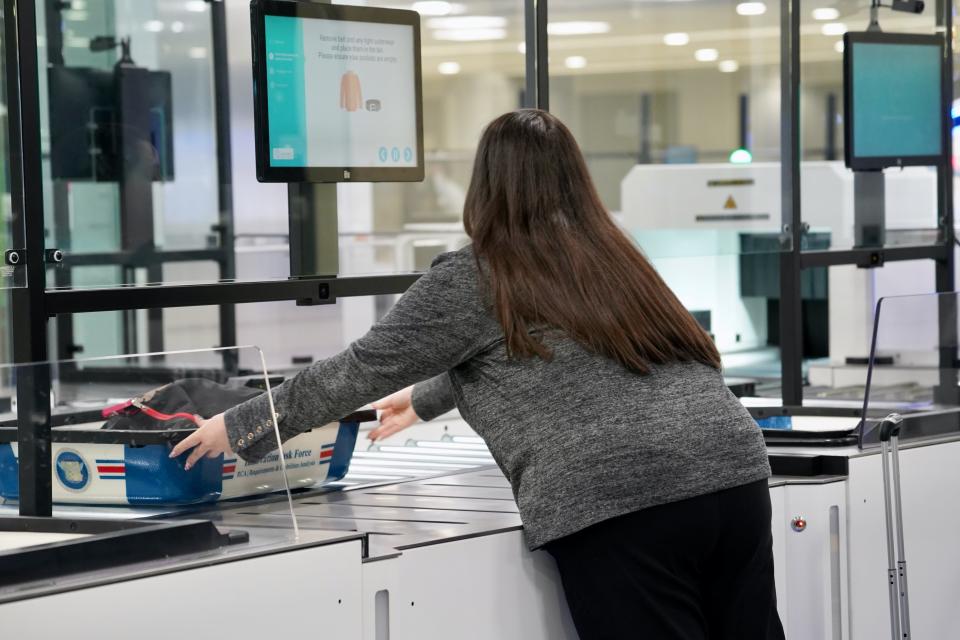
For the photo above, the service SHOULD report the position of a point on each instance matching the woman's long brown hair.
(554, 258)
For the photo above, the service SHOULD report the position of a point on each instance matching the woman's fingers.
(197, 453)
(391, 429)
(190, 441)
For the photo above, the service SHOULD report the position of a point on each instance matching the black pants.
(700, 568)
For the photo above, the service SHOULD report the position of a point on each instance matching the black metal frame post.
(224, 226)
(29, 303)
(791, 319)
(947, 390)
(537, 92)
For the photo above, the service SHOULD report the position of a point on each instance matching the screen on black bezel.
(894, 107)
(337, 93)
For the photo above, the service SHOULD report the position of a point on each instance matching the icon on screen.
(373, 105)
(395, 154)
(408, 154)
(383, 154)
(351, 94)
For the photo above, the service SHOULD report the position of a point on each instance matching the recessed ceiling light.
(838, 46)
(575, 62)
(833, 29)
(728, 66)
(449, 68)
(825, 13)
(153, 26)
(706, 55)
(577, 28)
(751, 8)
(469, 35)
(198, 53)
(522, 47)
(177, 27)
(676, 39)
(197, 6)
(434, 8)
(468, 22)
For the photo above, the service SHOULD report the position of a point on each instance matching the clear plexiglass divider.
(913, 368)
(115, 421)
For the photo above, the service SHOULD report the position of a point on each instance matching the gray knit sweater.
(580, 438)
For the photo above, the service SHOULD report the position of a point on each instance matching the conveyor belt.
(416, 459)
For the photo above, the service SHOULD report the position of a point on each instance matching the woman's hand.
(396, 414)
(210, 439)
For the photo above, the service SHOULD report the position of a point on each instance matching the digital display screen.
(341, 94)
(895, 102)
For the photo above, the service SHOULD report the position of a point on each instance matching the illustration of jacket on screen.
(351, 96)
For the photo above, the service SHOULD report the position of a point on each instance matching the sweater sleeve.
(434, 327)
(433, 397)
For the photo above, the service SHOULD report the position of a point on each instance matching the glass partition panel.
(132, 189)
(473, 71)
(914, 368)
(677, 109)
(844, 210)
(115, 420)
(128, 127)
(736, 301)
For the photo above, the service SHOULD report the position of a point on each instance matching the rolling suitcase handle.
(893, 510)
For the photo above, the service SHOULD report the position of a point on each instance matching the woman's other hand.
(396, 414)
(210, 439)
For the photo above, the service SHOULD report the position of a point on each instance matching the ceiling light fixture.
(751, 9)
(469, 35)
(468, 22)
(838, 46)
(833, 29)
(825, 14)
(706, 55)
(449, 68)
(575, 62)
(435, 8)
(676, 39)
(153, 26)
(577, 28)
(197, 6)
(728, 66)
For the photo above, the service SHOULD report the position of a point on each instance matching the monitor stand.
(314, 235)
(869, 209)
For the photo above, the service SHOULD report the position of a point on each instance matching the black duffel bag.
(182, 404)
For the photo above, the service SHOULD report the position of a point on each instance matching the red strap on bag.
(153, 413)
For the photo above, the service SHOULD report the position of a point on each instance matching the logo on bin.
(72, 471)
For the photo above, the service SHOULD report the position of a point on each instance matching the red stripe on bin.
(119, 469)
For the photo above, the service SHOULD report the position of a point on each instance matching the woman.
(598, 394)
